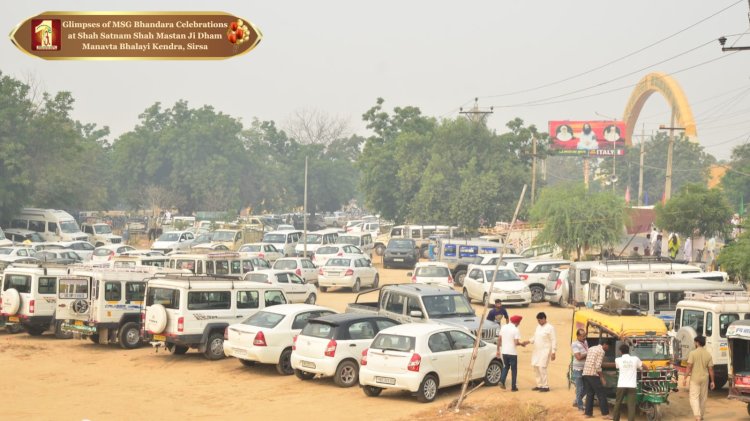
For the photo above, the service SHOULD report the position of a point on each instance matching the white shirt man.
(545, 346)
(627, 381)
(508, 340)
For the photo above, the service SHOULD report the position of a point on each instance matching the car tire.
(129, 336)
(14, 328)
(214, 347)
(59, 334)
(376, 282)
(372, 391)
(347, 374)
(156, 318)
(356, 286)
(385, 266)
(323, 289)
(284, 367)
(247, 363)
(175, 349)
(493, 372)
(35, 330)
(537, 294)
(720, 380)
(303, 375)
(11, 301)
(311, 299)
(428, 389)
(459, 278)
(94, 338)
(466, 294)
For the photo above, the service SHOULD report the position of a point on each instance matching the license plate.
(79, 322)
(514, 297)
(239, 352)
(13, 319)
(398, 259)
(385, 380)
(307, 364)
(160, 338)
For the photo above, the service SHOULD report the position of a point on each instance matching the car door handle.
(239, 316)
(352, 344)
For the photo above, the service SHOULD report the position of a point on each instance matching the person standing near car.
(627, 381)
(498, 312)
(580, 349)
(507, 341)
(545, 346)
(700, 369)
(594, 382)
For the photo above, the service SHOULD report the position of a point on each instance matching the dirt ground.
(47, 379)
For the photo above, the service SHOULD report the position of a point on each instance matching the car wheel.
(94, 338)
(13, 329)
(177, 349)
(323, 289)
(385, 266)
(492, 375)
(214, 347)
(130, 336)
(247, 363)
(356, 286)
(427, 389)
(459, 279)
(537, 294)
(59, 334)
(284, 367)
(376, 282)
(372, 391)
(311, 299)
(35, 330)
(347, 374)
(303, 375)
(720, 381)
(466, 294)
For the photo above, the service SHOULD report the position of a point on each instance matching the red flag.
(627, 194)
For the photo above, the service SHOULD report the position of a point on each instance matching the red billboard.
(595, 138)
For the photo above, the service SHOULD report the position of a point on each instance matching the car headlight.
(526, 289)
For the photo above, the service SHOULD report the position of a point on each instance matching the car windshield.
(103, 229)
(447, 306)
(520, 267)
(339, 262)
(169, 236)
(35, 237)
(252, 248)
(203, 238)
(257, 277)
(274, 238)
(260, 263)
(502, 275)
(264, 319)
(651, 349)
(318, 330)
(348, 239)
(222, 236)
(388, 342)
(69, 227)
(432, 272)
(327, 250)
(285, 264)
(314, 239)
(401, 244)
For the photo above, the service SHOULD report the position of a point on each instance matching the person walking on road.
(507, 341)
(700, 369)
(545, 346)
(579, 348)
(594, 382)
(627, 381)
(498, 312)
(673, 246)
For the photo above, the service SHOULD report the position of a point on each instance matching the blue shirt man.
(498, 312)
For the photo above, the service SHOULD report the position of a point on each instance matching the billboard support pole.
(640, 171)
(586, 172)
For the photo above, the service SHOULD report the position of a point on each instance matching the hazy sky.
(339, 56)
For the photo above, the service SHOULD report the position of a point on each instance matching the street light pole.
(670, 151)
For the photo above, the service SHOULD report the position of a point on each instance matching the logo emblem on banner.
(45, 34)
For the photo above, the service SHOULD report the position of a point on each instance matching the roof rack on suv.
(618, 308)
(718, 296)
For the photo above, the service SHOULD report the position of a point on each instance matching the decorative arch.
(671, 91)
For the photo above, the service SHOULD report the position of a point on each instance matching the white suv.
(100, 234)
(267, 336)
(184, 312)
(173, 240)
(332, 345)
(423, 357)
(295, 288)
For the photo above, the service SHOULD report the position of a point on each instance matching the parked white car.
(82, 248)
(173, 240)
(423, 357)
(14, 254)
(331, 346)
(304, 268)
(105, 253)
(508, 286)
(432, 273)
(295, 288)
(100, 234)
(348, 272)
(556, 290)
(267, 336)
(535, 272)
(262, 250)
(324, 253)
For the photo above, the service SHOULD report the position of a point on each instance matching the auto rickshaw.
(738, 335)
(648, 340)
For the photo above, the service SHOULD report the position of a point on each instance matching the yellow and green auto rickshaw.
(648, 340)
(738, 336)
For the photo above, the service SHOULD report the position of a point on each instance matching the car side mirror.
(409, 274)
(416, 313)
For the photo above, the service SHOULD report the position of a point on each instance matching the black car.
(401, 252)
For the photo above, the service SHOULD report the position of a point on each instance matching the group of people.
(653, 246)
(587, 367)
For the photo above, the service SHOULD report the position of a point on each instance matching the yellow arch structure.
(671, 91)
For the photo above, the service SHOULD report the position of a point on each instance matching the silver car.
(556, 288)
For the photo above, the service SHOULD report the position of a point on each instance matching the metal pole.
(586, 172)
(533, 168)
(304, 216)
(640, 171)
(668, 182)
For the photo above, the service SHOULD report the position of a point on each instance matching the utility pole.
(475, 114)
(304, 215)
(640, 171)
(670, 149)
(533, 168)
(723, 40)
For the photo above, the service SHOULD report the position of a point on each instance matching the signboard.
(587, 138)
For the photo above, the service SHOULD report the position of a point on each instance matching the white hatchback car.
(348, 272)
(432, 273)
(331, 346)
(324, 253)
(264, 251)
(295, 288)
(105, 253)
(423, 357)
(267, 336)
(303, 267)
(509, 287)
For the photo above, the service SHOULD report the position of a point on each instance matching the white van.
(228, 263)
(285, 241)
(315, 240)
(52, 224)
(363, 240)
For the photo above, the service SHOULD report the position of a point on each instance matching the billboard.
(589, 138)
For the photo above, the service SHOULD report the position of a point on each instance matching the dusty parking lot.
(48, 379)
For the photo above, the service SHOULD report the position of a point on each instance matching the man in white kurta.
(545, 346)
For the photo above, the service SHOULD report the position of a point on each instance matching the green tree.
(576, 220)
(736, 182)
(695, 209)
(733, 257)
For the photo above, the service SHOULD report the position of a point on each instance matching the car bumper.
(400, 381)
(264, 355)
(338, 281)
(322, 366)
(27, 321)
(511, 299)
(552, 296)
(400, 261)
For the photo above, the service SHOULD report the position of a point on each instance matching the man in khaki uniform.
(699, 370)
